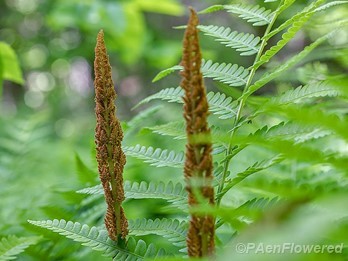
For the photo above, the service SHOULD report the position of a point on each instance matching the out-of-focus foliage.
(49, 120)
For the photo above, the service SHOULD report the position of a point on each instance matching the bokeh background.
(47, 121)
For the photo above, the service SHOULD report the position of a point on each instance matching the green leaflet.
(11, 246)
(312, 90)
(166, 72)
(99, 240)
(173, 193)
(172, 229)
(156, 156)
(247, 44)
(256, 15)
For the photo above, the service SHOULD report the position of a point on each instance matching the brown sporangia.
(198, 160)
(108, 138)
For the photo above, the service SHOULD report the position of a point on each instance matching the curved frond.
(172, 229)
(156, 156)
(231, 74)
(12, 246)
(297, 24)
(318, 89)
(173, 193)
(99, 240)
(253, 14)
(247, 44)
(267, 77)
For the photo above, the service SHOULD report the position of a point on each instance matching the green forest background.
(47, 100)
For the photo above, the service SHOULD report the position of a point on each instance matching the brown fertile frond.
(198, 162)
(108, 138)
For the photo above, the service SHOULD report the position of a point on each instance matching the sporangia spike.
(198, 162)
(108, 138)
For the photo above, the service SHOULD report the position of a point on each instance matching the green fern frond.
(99, 240)
(156, 156)
(269, 76)
(12, 246)
(174, 129)
(219, 104)
(169, 94)
(253, 14)
(231, 74)
(247, 44)
(173, 193)
(298, 133)
(286, 37)
(256, 167)
(313, 90)
(328, 5)
(172, 229)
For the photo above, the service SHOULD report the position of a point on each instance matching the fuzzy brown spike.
(198, 162)
(108, 138)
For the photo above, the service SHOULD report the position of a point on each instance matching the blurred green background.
(47, 116)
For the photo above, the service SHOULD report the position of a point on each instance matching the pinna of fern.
(108, 137)
(198, 161)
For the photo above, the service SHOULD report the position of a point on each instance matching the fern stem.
(241, 105)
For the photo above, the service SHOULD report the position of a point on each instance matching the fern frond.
(231, 74)
(156, 157)
(12, 246)
(328, 5)
(172, 229)
(174, 129)
(318, 89)
(169, 94)
(286, 37)
(253, 14)
(99, 240)
(256, 167)
(267, 77)
(247, 44)
(173, 193)
(298, 133)
(219, 104)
